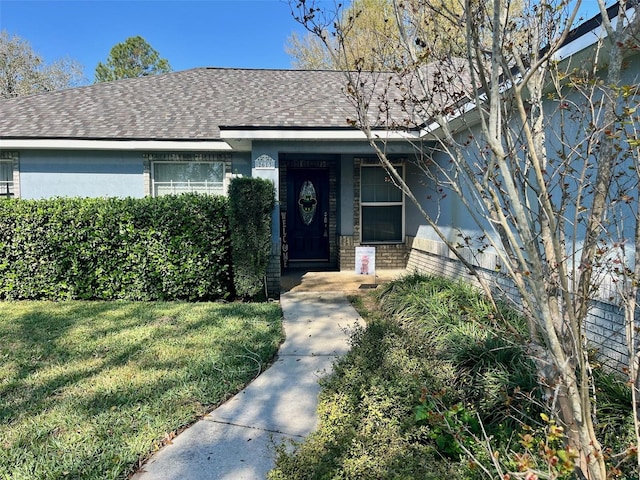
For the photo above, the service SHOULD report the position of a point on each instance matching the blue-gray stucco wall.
(46, 174)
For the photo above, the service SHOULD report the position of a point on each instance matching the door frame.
(298, 162)
(316, 232)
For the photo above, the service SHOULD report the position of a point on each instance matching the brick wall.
(387, 256)
(605, 328)
(273, 272)
(433, 257)
(605, 324)
(346, 252)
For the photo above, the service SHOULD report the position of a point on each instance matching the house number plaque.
(265, 162)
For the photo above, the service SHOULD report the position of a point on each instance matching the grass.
(432, 363)
(90, 389)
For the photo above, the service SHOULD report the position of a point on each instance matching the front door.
(308, 215)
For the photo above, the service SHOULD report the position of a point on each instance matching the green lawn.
(89, 389)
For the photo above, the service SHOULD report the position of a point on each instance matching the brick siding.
(388, 256)
(604, 327)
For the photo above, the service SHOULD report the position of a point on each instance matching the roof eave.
(110, 144)
(232, 134)
(575, 50)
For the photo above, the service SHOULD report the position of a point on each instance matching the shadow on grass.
(93, 387)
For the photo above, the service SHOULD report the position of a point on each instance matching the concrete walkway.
(236, 441)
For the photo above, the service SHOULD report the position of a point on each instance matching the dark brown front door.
(308, 215)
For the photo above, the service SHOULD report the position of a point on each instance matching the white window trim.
(401, 203)
(11, 158)
(150, 159)
(217, 188)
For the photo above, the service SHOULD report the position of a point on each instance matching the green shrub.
(251, 202)
(429, 376)
(167, 248)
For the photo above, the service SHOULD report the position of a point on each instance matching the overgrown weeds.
(431, 382)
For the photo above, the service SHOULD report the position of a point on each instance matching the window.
(6, 179)
(185, 177)
(382, 206)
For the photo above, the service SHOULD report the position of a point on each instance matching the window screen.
(185, 177)
(381, 204)
(6, 179)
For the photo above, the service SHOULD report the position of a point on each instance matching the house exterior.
(194, 130)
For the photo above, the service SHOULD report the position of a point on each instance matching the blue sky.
(205, 33)
(188, 33)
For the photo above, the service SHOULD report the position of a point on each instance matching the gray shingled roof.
(189, 104)
(195, 104)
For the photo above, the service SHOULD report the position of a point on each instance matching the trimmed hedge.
(166, 248)
(251, 202)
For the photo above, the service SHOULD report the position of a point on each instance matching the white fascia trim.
(465, 109)
(583, 42)
(588, 39)
(146, 145)
(311, 135)
(430, 132)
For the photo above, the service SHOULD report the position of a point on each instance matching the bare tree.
(540, 145)
(368, 36)
(23, 72)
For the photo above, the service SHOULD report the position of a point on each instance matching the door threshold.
(310, 260)
(311, 265)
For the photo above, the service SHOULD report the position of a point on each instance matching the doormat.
(368, 285)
